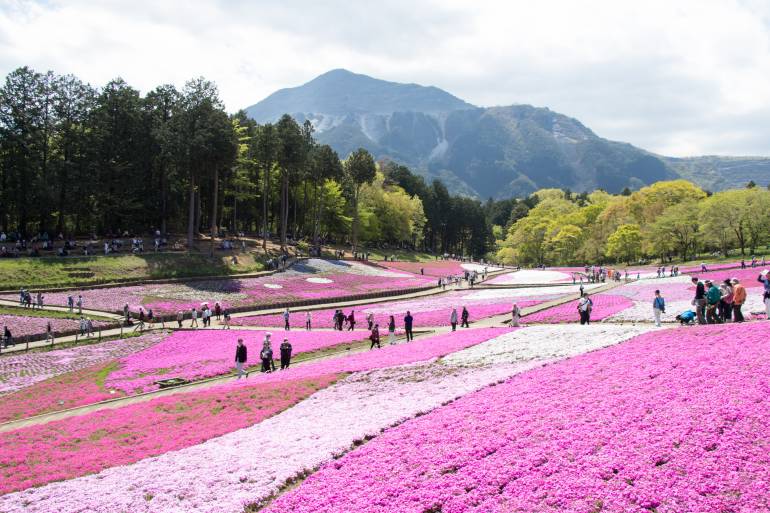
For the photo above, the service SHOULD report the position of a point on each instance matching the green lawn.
(49, 314)
(73, 271)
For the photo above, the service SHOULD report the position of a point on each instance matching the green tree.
(359, 170)
(625, 244)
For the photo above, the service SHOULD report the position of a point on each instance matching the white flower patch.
(660, 281)
(273, 286)
(339, 266)
(529, 292)
(545, 343)
(532, 276)
(642, 310)
(319, 280)
(479, 268)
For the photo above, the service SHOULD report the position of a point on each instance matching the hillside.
(484, 152)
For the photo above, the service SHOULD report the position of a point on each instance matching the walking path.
(495, 321)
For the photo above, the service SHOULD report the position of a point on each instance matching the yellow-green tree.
(625, 244)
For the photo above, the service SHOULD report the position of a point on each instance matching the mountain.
(483, 152)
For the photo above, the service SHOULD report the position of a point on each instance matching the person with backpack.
(658, 307)
(266, 355)
(241, 356)
(584, 309)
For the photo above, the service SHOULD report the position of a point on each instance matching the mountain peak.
(340, 92)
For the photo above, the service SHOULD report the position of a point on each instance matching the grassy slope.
(50, 314)
(71, 271)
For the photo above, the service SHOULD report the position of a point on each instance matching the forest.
(80, 160)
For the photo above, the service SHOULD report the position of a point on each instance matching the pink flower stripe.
(22, 325)
(90, 443)
(747, 277)
(604, 305)
(694, 269)
(18, 371)
(437, 268)
(422, 318)
(201, 354)
(673, 421)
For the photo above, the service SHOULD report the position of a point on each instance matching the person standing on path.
(286, 316)
(217, 310)
(699, 301)
(584, 309)
(285, 354)
(713, 296)
(241, 356)
(80, 304)
(726, 303)
(464, 318)
(82, 326)
(370, 321)
(658, 307)
(193, 318)
(308, 320)
(40, 300)
(179, 317)
(392, 331)
(453, 319)
(374, 336)
(266, 355)
(739, 297)
(7, 337)
(763, 278)
(515, 315)
(70, 303)
(408, 320)
(49, 332)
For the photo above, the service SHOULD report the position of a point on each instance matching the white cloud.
(679, 78)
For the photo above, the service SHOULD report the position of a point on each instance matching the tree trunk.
(284, 208)
(265, 197)
(354, 235)
(191, 216)
(214, 198)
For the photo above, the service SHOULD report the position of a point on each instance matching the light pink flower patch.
(22, 325)
(674, 421)
(604, 305)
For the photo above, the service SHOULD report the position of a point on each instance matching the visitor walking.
(374, 336)
(179, 317)
(699, 301)
(392, 331)
(658, 307)
(515, 315)
(370, 321)
(49, 332)
(82, 326)
(193, 318)
(739, 297)
(408, 320)
(351, 321)
(80, 304)
(285, 354)
(308, 320)
(286, 319)
(241, 356)
(453, 319)
(584, 309)
(226, 317)
(70, 303)
(464, 318)
(7, 337)
(217, 310)
(40, 300)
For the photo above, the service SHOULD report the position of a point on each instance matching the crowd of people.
(716, 303)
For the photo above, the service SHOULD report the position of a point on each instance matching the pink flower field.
(604, 305)
(194, 355)
(307, 280)
(671, 421)
(86, 444)
(23, 325)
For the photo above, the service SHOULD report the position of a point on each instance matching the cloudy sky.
(680, 77)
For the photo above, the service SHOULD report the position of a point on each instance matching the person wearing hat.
(726, 303)
(739, 297)
(713, 296)
(266, 355)
(699, 301)
(765, 280)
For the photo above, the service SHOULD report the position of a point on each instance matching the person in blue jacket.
(658, 307)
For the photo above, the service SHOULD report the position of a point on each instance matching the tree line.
(666, 220)
(75, 159)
